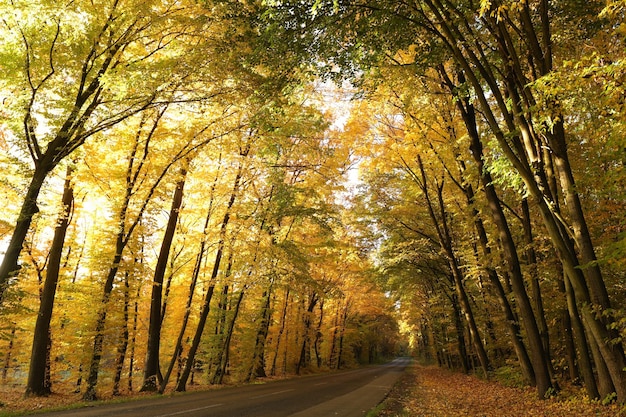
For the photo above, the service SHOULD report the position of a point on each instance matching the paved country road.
(339, 394)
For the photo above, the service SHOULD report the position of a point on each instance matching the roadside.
(435, 392)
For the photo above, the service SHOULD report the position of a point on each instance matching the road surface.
(339, 394)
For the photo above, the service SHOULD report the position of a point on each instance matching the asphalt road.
(339, 394)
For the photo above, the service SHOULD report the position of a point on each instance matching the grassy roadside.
(435, 392)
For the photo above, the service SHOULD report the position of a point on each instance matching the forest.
(216, 191)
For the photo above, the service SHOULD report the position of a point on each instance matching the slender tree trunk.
(178, 346)
(344, 322)
(122, 345)
(531, 260)
(39, 359)
(151, 365)
(217, 354)
(7, 355)
(133, 342)
(94, 367)
(511, 319)
(182, 382)
(283, 323)
(445, 241)
(539, 358)
(460, 334)
(225, 357)
(318, 336)
(584, 358)
(332, 357)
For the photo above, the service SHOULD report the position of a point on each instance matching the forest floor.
(422, 391)
(436, 392)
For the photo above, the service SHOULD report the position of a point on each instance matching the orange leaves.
(435, 392)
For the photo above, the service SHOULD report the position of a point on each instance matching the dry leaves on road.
(436, 392)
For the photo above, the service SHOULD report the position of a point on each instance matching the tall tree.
(40, 354)
(106, 55)
(151, 365)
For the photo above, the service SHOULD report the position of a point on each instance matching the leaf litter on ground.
(429, 391)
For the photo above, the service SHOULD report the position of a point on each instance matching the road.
(338, 394)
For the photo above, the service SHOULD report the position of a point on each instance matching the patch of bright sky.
(338, 100)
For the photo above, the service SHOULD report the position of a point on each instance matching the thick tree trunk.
(257, 369)
(9, 266)
(539, 357)
(39, 359)
(304, 360)
(151, 365)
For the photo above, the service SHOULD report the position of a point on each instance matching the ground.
(423, 391)
(435, 392)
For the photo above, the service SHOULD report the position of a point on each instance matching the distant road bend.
(339, 394)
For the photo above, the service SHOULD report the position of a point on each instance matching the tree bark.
(225, 356)
(122, 344)
(283, 324)
(151, 365)
(182, 382)
(257, 369)
(303, 362)
(36, 384)
(9, 267)
(445, 240)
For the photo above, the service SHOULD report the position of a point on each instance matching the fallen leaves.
(437, 392)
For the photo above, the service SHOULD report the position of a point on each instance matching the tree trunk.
(94, 367)
(7, 355)
(151, 365)
(445, 240)
(182, 382)
(531, 260)
(217, 348)
(539, 358)
(225, 357)
(283, 323)
(257, 369)
(176, 355)
(344, 321)
(133, 341)
(460, 334)
(9, 267)
(318, 336)
(303, 362)
(36, 384)
(122, 345)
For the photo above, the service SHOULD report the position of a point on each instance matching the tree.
(37, 384)
(151, 366)
(104, 54)
(501, 51)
